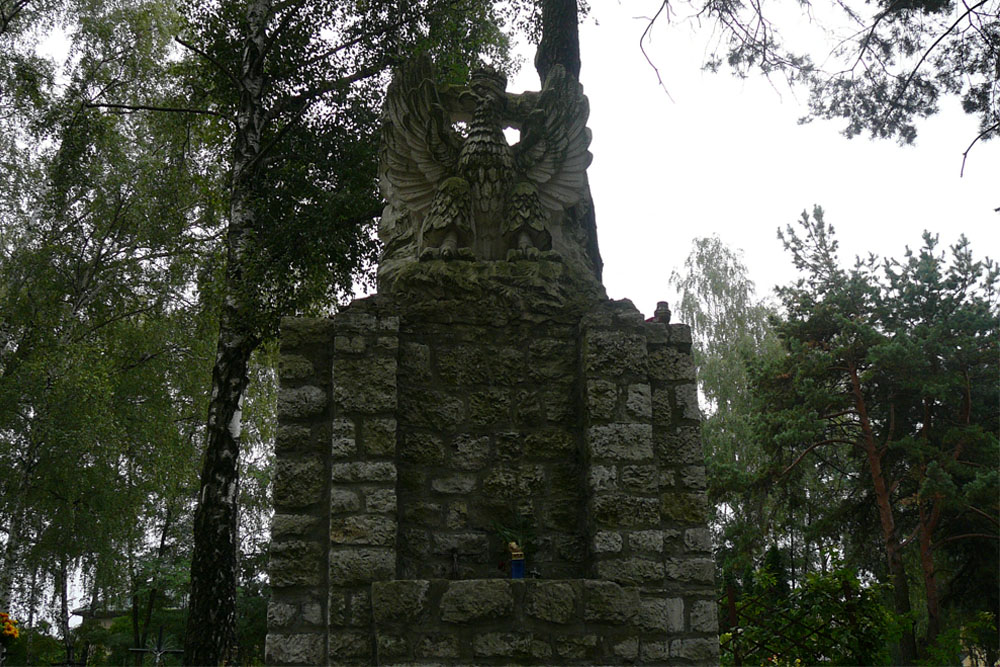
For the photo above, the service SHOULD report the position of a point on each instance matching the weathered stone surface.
(366, 385)
(361, 565)
(631, 571)
(437, 646)
(369, 530)
(704, 616)
(638, 404)
(345, 645)
(489, 406)
(342, 444)
(661, 615)
(687, 401)
(460, 483)
(507, 645)
(693, 477)
(667, 363)
(380, 500)
(608, 602)
(693, 570)
(680, 444)
(342, 500)
(552, 601)
(576, 647)
(462, 544)
(511, 483)
(549, 444)
(684, 507)
(297, 483)
(433, 410)
(646, 540)
(299, 402)
(379, 436)
(312, 613)
(641, 478)
(663, 406)
(602, 478)
(292, 525)
(293, 438)
(627, 649)
(295, 563)
(361, 471)
(281, 615)
(475, 599)
(299, 331)
(470, 452)
(654, 652)
(294, 367)
(621, 442)
(415, 361)
(607, 542)
(390, 647)
(602, 400)
(698, 539)
(702, 651)
(619, 510)
(399, 600)
(615, 353)
(294, 649)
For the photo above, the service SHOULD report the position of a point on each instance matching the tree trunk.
(62, 590)
(893, 549)
(925, 532)
(560, 45)
(211, 627)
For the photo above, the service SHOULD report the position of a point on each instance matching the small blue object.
(517, 568)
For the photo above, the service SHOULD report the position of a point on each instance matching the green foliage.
(830, 619)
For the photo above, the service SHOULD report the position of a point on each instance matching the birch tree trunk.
(211, 629)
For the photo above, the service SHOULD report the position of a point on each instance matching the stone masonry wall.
(408, 433)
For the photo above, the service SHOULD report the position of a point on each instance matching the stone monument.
(489, 393)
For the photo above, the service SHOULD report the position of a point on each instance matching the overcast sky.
(727, 157)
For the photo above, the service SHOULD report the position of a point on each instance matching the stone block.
(365, 385)
(621, 442)
(698, 539)
(476, 599)
(342, 444)
(389, 647)
(434, 410)
(631, 571)
(691, 570)
(644, 478)
(488, 407)
(552, 601)
(704, 616)
(380, 500)
(614, 353)
(415, 362)
(461, 483)
(291, 438)
(300, 331)
(468, 545)
(295, 563)
(559, 405)
(627, 649)
(312, 613)
(281, 615)
(421, 447)
(680, 334)
(602, 478)
(684, 507)
(607, 602)
(350, 344)
(663, 406)
(698, 651)
(668, 364)
(388, 323)
(367, 530)
(399, 600)
(680, 444)
(437, 646)
(462, 365)
(360, 606)
(359, 566)
(687, 401)
(363, 471)
(619, 510)
(550, 443)
(638, 403)
(606, 542)
(300, 402)
(514, 483)
(654, 652)
(693, 477)
(294, 649)
(576, 647)
(343, 500)
(646, 540)
(469, 452)
(378, 437)
(506, 645)
(661, 615)
(345, 645)
(297, 483)
(294, 367)
(602, 400)
(292, 525)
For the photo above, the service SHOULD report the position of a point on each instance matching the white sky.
(727, 157)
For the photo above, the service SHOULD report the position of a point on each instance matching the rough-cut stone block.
(342, 500)
(461, 483)
(437, 646)
(351, 344)
(361, 471)
(297, 483)
(349, 566)
(693, 477)
(435, 410)
(607, 542)
(380, 500)
(621, 442)
(667, 363)
(614, 353)
(619, 510)
(415, 362)
(469, 452)
(627, 649)
(607, 602)
(476, 599)
(691, 570)
(345, 645)
(680, 334)
(602, 400)
(684, 507)
(295, 563)
(644, 478)
(475, 545)
(663, 406)
(355, 320)
(646, 540)
(379, 436)
(631, 571)
(312, 613)
(368, 530)
(680, 444)
(576, 647)
(602, 478)
(503, 644)
(488, 407)
(514, 483)
(552, 601)
(342, 444)
(687, 401)
(292, 525)
(399, 600)
(299, 331)
(698, 539)
(699, 651)
(294, 649)
(661, 615)
(299, 402)
(390, 647)
(550, 359)
(366, 385)
(638, 404)
(654, 652)
(281, 615)
(549, 444)
(704, 616)
(294, 367)
(294, 438)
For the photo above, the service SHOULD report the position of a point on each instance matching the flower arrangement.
(8, 629)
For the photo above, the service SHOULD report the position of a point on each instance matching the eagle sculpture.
(470, 195)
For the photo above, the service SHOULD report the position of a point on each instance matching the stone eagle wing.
(552, 153)
(419, 148)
